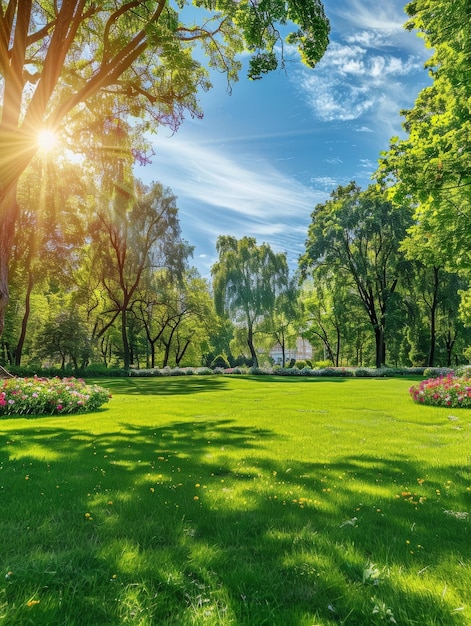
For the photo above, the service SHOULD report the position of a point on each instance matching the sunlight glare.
(46, 139)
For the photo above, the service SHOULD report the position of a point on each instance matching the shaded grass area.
(248, 501)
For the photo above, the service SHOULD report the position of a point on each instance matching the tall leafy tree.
(133, 236)
(246, 281)
(285, 316)
(357, 234)
(64, 337)
(176, 315)
(431, 167)
(327, 305)
(66, 64)
(51, 231)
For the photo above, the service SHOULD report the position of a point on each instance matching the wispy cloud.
(353, 80)
(218, 194)
(361, 129)
(369, 56)
(246, 186)
(372, 15)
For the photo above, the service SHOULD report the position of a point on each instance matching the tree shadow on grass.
(183, 385)
(268, 378)
(196, 523)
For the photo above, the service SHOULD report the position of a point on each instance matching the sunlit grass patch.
(239, 501)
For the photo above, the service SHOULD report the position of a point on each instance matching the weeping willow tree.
(246, 282)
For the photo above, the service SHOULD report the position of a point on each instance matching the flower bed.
(49, 396)
(448, 391)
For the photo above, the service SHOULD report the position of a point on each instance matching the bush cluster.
(49, 396)
(91, 371)
(448, 391)
(281, 371)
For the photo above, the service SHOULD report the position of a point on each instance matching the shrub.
(464, 371)
(436, 372)
(145, 372)
(320, 365)
(286, 371)
(220, 361)
(448, 391)
(204, 371)
(362, 373)
(301, 364)
(336, 371)
(49, 396)
(260, 370)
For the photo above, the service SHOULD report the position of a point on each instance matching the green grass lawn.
(238, 500)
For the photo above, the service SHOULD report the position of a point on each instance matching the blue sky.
(263, 157)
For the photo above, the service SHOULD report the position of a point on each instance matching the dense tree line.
(98, 272)
(120, 291)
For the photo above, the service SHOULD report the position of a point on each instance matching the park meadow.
(239, 500)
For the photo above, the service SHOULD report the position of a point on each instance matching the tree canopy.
(431, 167)
(246, 281)
(358, 233)
(78, 65)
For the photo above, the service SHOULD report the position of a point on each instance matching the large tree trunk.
(24, 322)
(433, 316)
(380, 347)
(8, 216)
(124, 335)
(251, 346)
(337, 351)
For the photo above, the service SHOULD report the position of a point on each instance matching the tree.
(284, 322)
(64, 65)
(64, 336)
(327, 305)
(431, 167)
(175, 314)
(357, 234)
(129, 240)
(246, 281)
(51, 229)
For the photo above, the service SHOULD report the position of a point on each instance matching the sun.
(46, 140)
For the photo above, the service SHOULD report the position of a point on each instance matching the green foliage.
(322, 364)
(357, 235)
(431, 167)
(220, 361)
(247, 279)
(64, 338)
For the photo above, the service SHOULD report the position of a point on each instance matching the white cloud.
(248, 187)
(361, 129)
(368, 39)
(326, 182)
(352, 80)
(373, 15)
(219, 193)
